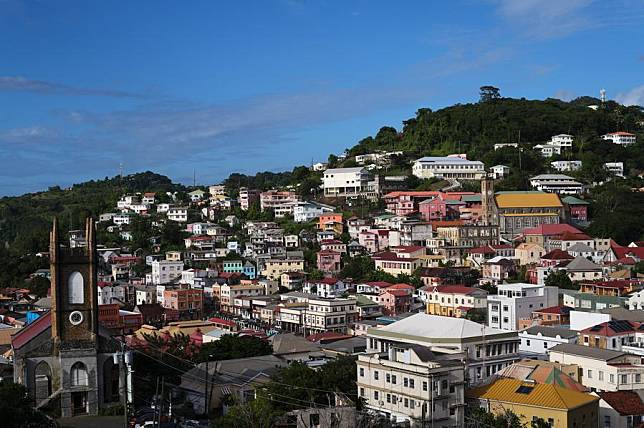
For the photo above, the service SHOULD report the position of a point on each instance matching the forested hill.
(25, 220)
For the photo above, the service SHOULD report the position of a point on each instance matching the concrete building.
(485, 350)
(346, 182)
(165, 271)
(556, 183)
(517, 301)
(409, 383)
(539, 339)
(621, 138)
(448, 167)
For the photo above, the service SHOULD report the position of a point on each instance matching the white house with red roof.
(396, 263)
(374, 287)
(326, 287)
(620, 137)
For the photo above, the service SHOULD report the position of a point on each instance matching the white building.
(121, 219)
(448, 167)
(548, 150)
(111, 293)
(326, 287)
(164, 271)
(498, 146)
(485, 350)
(163, 208)
(178, 214)
(318, 166)
(556, 183)
(345, 182)
(500, 171)
(622, 138)
(517, 301)
(304, 212)
(602, 369)
(561, 140)
(412, 384)
(566, 165)
(615, 168)
(538, 339)
(146, 295)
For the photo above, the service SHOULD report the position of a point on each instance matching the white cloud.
(632, 97)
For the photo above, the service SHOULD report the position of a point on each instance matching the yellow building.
(561, 407)
(519, 210)
(274, 268)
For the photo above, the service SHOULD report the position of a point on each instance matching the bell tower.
(488, 204)
(74, 293)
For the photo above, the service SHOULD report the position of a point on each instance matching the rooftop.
(548, 331)
(532, 394)
(527, 199)
(586, 351)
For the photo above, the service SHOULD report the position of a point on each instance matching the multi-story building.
(329, 260)
(228, 294)
(326, 287)
(519, 210)
(621, 138)
(188, 302)
(566, 165)
(165, 271)
(304, 212)
(448, 167)
(146, 295)
(517, 301)
(601, 369)
(561, 140)
(411, 384)
(454, 300)
(486, 350)
(178, 214)
(274, 268)
(538, 339)
(273, 199)
(615, 168)
(346, 182)
(247, 197)
(555, 405)
(557, 183)
(395, 263)
(312, 314)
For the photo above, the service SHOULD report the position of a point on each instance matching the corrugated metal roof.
(527, 199)
(540, 395)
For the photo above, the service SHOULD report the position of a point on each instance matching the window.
(624, 379)
(424, 386)
(545, 345)
(375, 395)
(78, 374)
(411, 383)
(361, 372)
(406, 402)
(601, 375)
(612, 378)
(387, 378)
(405, 382)
(393, 379)
(527, 342)
(606, 421)
(375, 374)
(362, 392)
(388, 398)
(638, 378)
(75, 288)
(590, 374)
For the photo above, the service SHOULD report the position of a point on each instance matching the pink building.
(374, 240)
(329, 260)
(395, 301)
(439, 209)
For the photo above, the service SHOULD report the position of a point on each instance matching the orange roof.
(527, 199)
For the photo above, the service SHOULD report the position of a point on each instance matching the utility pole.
(156, 404)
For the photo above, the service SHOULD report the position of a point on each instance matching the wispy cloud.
(633, 97)
(564, 95)
(546, 19)
(23, 84)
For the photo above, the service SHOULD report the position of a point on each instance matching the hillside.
(25, 220)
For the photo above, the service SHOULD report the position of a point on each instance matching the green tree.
(559, 278)
(257, 413)
(230, 347)
(39, 285)
(17, 409)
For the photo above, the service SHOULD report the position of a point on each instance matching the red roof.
(559, 310)
(626, 403)
(201, 238)
(392, 257)
(330, 281)
(222, 321)
(327, 337)
(573, 236)
(607, 328)
(328, 253)
(557, 254)
(401, 286)
(618, 283)
(447, 223)
(486, 249)
(397, 293)
(379, 284)
(41, 324)
(415, 194)
(407, 248)
(621, 133)
(551, 229)
(331, 241)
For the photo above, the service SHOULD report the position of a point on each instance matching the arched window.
(76, 288)
(78, 374)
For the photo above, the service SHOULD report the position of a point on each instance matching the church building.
(64, 359)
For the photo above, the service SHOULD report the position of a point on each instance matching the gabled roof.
(573, 236)
(626, 403)
(612, 328)
(549, 331)
(455, 289)
(581, 263)
(527, 199)
(23, 336)
(531, 394)
(580, 247)
(426, 327)
(557, 254)
(571, 200)
(551, 229)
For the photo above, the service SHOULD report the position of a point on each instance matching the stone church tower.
(489, 216)
(62, 358)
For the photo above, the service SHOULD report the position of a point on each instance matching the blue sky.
(219, 87)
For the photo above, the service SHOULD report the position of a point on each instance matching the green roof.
(571, 200)
(471, 198)
(364, 301)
